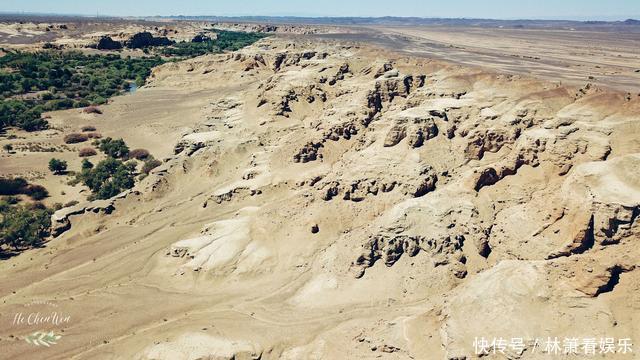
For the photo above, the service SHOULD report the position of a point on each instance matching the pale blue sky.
(498, 9)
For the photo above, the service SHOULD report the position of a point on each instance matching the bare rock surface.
(320, 200)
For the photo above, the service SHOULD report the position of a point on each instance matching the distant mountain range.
(354, 21)
(417, 21)
(399, 21)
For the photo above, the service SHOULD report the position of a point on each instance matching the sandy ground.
(320, 200)
(571, 56)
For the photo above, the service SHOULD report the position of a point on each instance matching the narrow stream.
(133, 87)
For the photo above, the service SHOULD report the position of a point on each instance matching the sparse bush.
(58, 104)
(94, 135)
(12, 200)
(8, 147)
(36, 192)
(75, 138)
(150, 165)
(13, 186)
(74, 181)
(57, 166)
(87, 128)
(71, 203)
(92, 110)
(99, 100)
(139, 154)
(85, 152)
(4, 207)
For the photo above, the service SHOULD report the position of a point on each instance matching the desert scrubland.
(342, 193)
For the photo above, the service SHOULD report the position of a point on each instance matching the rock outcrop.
(146, 39)
(106, 43)
(351, 203)
(60, 220)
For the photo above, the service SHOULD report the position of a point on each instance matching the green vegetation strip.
(225, 41)
(33, 83)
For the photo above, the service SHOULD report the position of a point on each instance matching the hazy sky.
(565, 9)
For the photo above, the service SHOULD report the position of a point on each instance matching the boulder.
(395, 135)
(145, 39)
(489, 140)
(342, 71)
(106, 43)
(60, 219)
(423, 130)
(309, 152)
(391, 74)
(384, 69)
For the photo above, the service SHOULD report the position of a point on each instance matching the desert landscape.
(322, 190)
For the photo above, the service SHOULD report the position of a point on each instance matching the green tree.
(86, 164)
(57, 166)
(108, 178)
(114, 148)
(23, 227)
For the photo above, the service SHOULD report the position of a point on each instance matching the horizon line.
(543, 18)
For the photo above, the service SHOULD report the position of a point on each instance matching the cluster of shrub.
(22, 226)
(108, 178)
(115, 174)
(20, 186)
(58, 80)
(26, 226)
(112, 175)
(200, 45)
